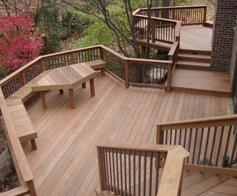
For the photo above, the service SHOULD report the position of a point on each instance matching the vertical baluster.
(170, 137)
(200, 146)
(125, 171)
(150, 181)
(114, 184)
(175, 134)
(157, 172)
(118, 192)
(219, 147)
(234, 148)
(110, 172)
(185, 133)
(205, 152)
(194, 146)
(134, 172)
(139, 173)
(212, 147)
(227, 142)
(107, 171)
(144, 184)
(189, 145)
(121, 172)
(129, 172)
(180, 134)
(166, 137)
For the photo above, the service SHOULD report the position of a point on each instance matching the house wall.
(233, 55)
(223, 34)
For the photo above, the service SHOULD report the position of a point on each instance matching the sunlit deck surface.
(65, 162)
(196, 37)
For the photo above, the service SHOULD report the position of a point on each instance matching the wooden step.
(198, 52)
(199, 81)
(104, 193)
(192, 65)
(194, 58)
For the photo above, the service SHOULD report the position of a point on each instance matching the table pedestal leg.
(103, 71)
(84, 85)
(43, 100)
(92, 87)
(72, 100)
(61, 91)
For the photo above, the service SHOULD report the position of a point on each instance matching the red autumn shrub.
(18, 45)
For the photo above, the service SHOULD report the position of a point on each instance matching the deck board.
(66, 161)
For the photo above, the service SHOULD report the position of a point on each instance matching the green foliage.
(3, 72)
(99, 33)
(57, 23)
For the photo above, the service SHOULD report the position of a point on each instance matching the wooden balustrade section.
(21, 76)
(21, 164)
(171, 180)
(209, 137)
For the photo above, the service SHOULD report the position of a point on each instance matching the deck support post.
(92, 86)
(72, 100)
(31, 188)
(33, 144)
(42, 95)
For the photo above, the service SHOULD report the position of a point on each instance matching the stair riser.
(193, 59)
(182, 51)
(191, 67)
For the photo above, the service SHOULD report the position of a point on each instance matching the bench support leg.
(33, 144)
(43, 100)
(31, 188)
(61, 91)
(72, 100)
(103, 71)
(92, 87)
(84, 85)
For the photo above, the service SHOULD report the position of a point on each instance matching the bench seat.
(97, 64)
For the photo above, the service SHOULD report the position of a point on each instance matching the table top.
(67, 77)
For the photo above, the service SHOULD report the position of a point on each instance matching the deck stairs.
(194, 59)
(198, 183)
(192, 74)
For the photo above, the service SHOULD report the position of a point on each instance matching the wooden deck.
(196, 37)
(66, 161)
(208, 82)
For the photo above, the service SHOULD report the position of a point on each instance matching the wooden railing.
(211, 142)
(166, 22)
(22, 167)
(129, 169)
(130, 71)
(188, 15)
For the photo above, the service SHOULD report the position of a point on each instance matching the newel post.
(41, 65)
(126, 74)
(72, 58)
(159, 136)
(169, 74)
(204, 16)
(101, 168)
(101, 54)
(23, 78)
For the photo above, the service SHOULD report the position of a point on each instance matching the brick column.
(223, 34)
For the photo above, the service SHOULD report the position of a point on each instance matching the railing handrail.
(169, 8)
(200, 123)
(171, 180)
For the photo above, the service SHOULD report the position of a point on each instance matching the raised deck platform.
(66, 162)
(197, 81)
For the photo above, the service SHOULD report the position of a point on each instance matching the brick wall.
(223, 34)
(233, 55)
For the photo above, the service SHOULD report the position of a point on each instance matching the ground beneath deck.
(66, 161)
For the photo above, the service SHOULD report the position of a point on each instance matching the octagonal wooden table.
(67, 77)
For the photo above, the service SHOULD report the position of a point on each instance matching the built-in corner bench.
(15, 103)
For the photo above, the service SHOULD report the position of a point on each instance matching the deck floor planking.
(66, 161)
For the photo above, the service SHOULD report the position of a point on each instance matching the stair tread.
(194, 63)
(195, 56)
